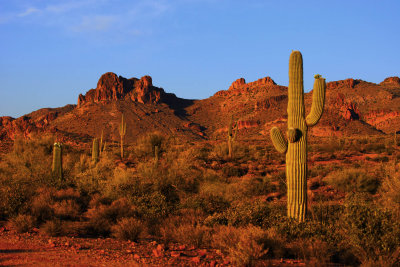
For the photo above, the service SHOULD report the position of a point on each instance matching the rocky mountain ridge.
(352, 107)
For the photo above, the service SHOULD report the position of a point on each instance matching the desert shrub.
(390, 192)
(182, 172)
(313, 251)
(372, 232)
(243, 245)
(197, 235)
(325, 213)
(102, 216)
(220, 151)
(145, 146)
(65, 204)
(53, 228)
(118, 184)
(233, 171)
(23, 223)
(15, 195)
(41, 205)
(95, 176)
(242, 213)
(22, 171)
(204, 151)
(210, 175)
(127, 229)
(185, 227)
(208, 203)
(68, 204)
(351, 180)
(152, 207)
(67, 209)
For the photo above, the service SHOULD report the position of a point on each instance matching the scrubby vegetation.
(195, 194)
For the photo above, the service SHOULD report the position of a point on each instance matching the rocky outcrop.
(193, 126)
(347, 109)
(349, 83)
(35, 122)
(240, 86)
(247, 124)
(113, 87)
(270, 102)
(391, 81)
(241, 82)
(237, 84)
(380, 118)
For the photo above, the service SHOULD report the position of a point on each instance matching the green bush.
(242, 213)
(145, 146)
(372, 232)
(353, 180)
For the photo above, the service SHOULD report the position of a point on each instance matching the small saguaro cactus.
(95, 150)
(296, 149)
(57, 161)
(101, 142)
(231, 136)
(122, 131)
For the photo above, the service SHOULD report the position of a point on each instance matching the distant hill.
(352, 107)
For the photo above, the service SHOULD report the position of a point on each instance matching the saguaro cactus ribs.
(296, 148)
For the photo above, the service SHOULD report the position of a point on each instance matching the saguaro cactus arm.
(318, 101)
(236, 130)
(278, 140)
(293, 135)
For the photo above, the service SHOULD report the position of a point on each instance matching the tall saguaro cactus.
(231, 136)
(57, 161)
(296, 148)
(122, 131)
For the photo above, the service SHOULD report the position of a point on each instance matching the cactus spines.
(296, 149)
(278, 140)
(95, 150)
(57, 161)
(231, 136)
(122, 131)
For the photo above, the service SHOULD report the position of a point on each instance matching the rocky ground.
(35, 249)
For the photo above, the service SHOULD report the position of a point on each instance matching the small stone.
(196, 259)
(175, 254)
(157, 253)
(202, 253)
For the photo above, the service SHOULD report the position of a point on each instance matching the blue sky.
(52, 50)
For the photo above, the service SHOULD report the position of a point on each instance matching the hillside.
(352, 107)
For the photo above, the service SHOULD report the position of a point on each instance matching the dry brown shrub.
(128, 229)
(244, 245)
(23, 223)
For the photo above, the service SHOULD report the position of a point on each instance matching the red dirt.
(35, 249)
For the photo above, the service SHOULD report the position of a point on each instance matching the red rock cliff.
(113, 87)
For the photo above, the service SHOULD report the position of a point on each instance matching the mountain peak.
(113, 87)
